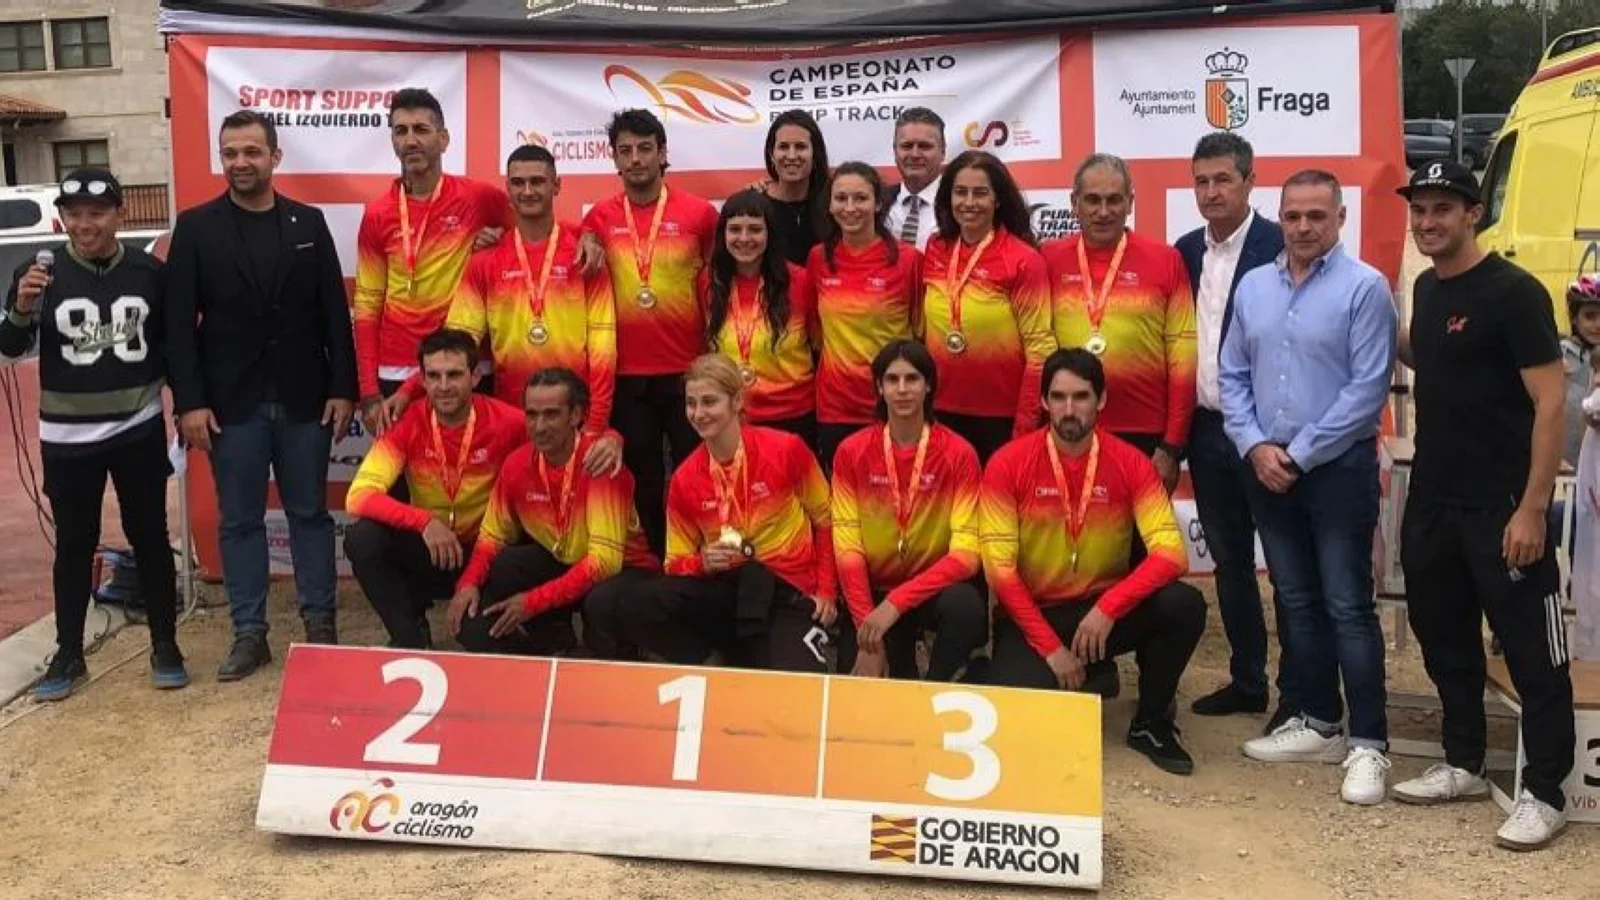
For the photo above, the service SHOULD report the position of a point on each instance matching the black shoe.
(1279, 716)
(321, 631)
(249, 653)
(1229, 700)
(1102, 678)
(65, 674)
(1159, 741)
(167, 671)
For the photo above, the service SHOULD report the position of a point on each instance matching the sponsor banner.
(1194, 539)
(1003, 97)
(1183, 216)
(1292, 91)
(1050, 211)
(332, 106)
(1583, 785)
(798, 833)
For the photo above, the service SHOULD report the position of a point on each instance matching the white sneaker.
(1533, 824)
(1366, 777)
(1295, 741)
(1442, 783)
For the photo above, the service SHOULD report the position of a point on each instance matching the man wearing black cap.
(95, 316)
(1489, 393)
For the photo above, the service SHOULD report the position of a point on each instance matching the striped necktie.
(913, 222)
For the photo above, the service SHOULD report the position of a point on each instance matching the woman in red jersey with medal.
(986, 304)
(750, 574)
(869, 288)
(760, 313)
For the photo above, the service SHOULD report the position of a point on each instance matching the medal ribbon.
(410, 246)
(563, 501)
(643, 256)
(453, 475)
(955, 283)
(724, 479)
(744, 323)
(1076, 517)
(1095, 298)
(903, 506)
(536, 292)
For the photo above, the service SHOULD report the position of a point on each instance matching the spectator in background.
(263, 372)
(1305, 376)
(1234, 240)
(797, 166)
(1583, 318)
(919, 157)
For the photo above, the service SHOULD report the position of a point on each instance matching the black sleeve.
(156, 332)
(16, 337)
(1529, 324)
(340, 339)
(182, 318)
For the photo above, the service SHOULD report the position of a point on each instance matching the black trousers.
(1160, 632)
(1221, 479)
(76, 485)
(803, 427)
(526, 566)
(829, 436)
(959, 618)
(986, 434)
(648, 411)
(753, 618)
(400, 581)
(1455, 577)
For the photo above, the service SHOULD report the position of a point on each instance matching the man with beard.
(1057, 514)
(263, 374)
(1474, 544)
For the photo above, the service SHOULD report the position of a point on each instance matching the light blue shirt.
(1308, 367)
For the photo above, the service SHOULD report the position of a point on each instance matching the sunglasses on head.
(94, 188)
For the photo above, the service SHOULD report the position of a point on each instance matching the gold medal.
(900, 546)
(1096, 343)
(955, 342)
(647, 297)
(747, 375)
(539, 334)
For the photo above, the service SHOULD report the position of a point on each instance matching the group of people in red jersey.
(694, 428)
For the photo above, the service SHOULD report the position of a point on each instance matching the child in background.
(1583, 312)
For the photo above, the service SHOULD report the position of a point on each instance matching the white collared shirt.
(927, 221)
(1221, 260)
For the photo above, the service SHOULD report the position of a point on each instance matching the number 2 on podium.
(394, 745)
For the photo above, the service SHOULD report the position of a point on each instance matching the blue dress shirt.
(1308, 366)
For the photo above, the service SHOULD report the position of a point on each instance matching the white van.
(29, 210)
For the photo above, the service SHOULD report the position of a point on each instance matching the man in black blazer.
(262, 367)
(1233, 241)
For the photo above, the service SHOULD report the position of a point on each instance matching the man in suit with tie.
(261, 362)
(1234, 240)
(919, 157)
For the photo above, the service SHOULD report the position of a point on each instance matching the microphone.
(45, 260)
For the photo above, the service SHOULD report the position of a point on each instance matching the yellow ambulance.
(1541, 187)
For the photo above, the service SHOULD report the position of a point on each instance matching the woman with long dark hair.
(797, 171)
(986, 304)
(750, 572)
(761, 314)
(869, 288)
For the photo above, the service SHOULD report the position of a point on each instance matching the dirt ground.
(122, 792)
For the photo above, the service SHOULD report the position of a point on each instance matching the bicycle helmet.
(1583, 291)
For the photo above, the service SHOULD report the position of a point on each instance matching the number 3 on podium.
(982, 721)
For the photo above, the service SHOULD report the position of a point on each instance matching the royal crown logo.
(1227, 90)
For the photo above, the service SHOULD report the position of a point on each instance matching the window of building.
(21, 46)
(74, 154)
(82, 43)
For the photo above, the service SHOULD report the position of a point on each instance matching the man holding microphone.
(95, 315)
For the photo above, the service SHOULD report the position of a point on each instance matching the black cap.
(1444, 175)
(90, 183)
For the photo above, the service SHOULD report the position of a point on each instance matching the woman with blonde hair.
(750, 572)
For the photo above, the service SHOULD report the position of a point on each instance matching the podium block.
(715, 765)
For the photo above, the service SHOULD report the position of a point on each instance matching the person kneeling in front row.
(584, 544)
(749, 544)
(449, 450)
(1057, 515)
(905, 530)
